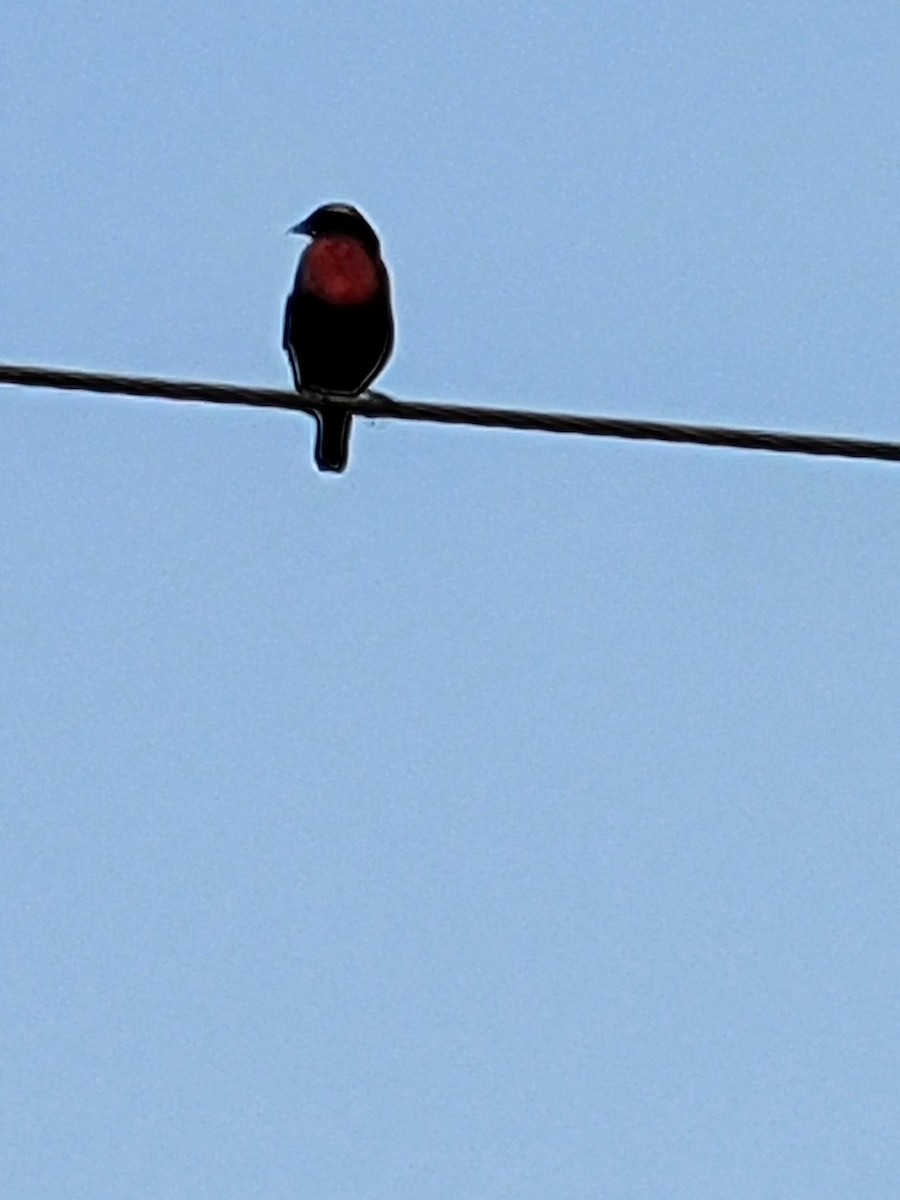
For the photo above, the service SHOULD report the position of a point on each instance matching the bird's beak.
(303, 228)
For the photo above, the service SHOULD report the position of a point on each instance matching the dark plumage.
(338, 324)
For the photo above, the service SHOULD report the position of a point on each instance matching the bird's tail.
(332, 440)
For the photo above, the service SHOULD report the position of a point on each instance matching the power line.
(376, 404)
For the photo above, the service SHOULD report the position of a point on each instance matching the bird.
(338, 321)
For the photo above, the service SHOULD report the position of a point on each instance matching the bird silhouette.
(338, 321)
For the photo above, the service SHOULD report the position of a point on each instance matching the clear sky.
(513, 817)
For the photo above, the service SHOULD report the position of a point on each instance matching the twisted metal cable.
(376, 404)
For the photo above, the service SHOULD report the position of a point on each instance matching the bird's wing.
(286, 333)
(286, 341)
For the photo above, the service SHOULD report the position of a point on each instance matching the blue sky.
(513, 816)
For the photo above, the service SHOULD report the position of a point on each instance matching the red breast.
(340, 270)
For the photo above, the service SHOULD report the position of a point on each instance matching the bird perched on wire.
(338, 323)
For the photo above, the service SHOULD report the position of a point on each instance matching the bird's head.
(339, 220)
